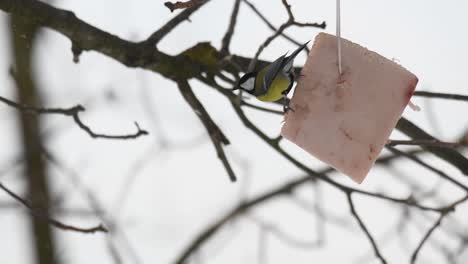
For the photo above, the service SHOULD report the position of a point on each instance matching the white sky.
(182, 191)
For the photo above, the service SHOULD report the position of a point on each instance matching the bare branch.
(191, 7)
(74, 113)
(79, 32)
(230, 31)
(55, 223)
(425, 238)
(290, 22)
(364, 229)
(273, 28)
(458, 97)
(182, 5)
(426, 142)
(217, 136)
(322, 25)
(131, 54)
(444, 212)
(451, 156)
(43, 110)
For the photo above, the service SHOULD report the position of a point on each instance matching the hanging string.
(338, 32)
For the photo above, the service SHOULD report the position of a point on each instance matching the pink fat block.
(346, 120)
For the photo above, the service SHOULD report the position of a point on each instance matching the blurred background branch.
(23, 35)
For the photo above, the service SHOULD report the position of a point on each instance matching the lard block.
(345, 120)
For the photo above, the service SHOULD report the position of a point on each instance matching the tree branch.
(272, 27)
(86, 37)
(364, 229)
(290, 22)
(444, 212)
(427, 143)
(451, 156)
(182, 5)
(55, 223)
(230, 31)
(191, 7)
(458, 97)
(74, 113)
(425, 238)
(217, 136)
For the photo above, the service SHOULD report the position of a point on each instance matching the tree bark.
(22, 34)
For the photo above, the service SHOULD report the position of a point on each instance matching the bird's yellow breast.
(274, 93)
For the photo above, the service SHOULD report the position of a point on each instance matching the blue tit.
(273, 82)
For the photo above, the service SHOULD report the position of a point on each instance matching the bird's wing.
(291, 79)
(272, 71)
(288, 64)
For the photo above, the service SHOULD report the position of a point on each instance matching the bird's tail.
(291, 57)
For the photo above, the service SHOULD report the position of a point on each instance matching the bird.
(272, 82)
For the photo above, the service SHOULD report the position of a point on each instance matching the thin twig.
(182, 5)
(270, 39)
(458, 97)
(53, 222)
(427, 235)
(290, 22)
(443, 213)
(364, 229)
(272, 27)
(322, 25)
(230, 31)
(74, 113)
(157, 36)
(425, 238)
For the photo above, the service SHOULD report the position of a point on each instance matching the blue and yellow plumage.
(273, 82)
